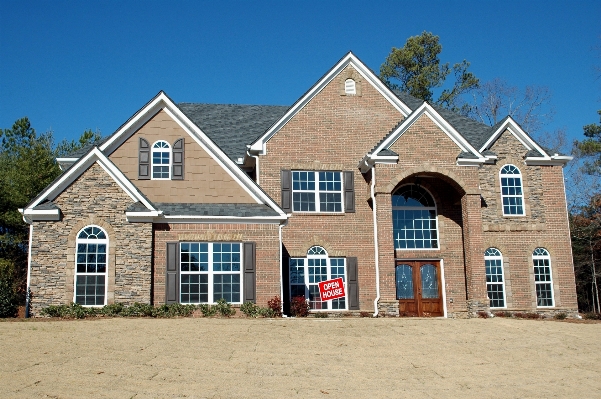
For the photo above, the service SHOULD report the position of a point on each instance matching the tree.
(416, 69)
(67, 147)
(591, 147)
(27, 166)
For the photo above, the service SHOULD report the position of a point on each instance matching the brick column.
(473, 241)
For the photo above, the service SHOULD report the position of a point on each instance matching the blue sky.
(74, 65)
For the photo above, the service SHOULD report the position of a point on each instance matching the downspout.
(256, 157)
(376, 251)
(282, 271)
(28, 292)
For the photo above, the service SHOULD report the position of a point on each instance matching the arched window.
(511, 190)
(91, 267)
(161, 160)
(414, 218)
(542, 277)
(307, 273)
(495, 283)
(350, 86)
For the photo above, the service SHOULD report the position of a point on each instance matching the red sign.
(331, 289)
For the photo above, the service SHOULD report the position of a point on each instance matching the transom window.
(350, 87)
(316, 191)
(511, 190)
(414, 220)
(307, 273)
(542, 277)
(161, 160)
(91, 267)
(209, 272)
(495, 284)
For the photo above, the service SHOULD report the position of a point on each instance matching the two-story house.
(420, 211)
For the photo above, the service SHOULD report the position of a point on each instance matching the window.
(542, 277)
(414, 221)
(316, 191)
(209, 272)
(511, 190)
(349, 86)
(91, 267)
(307, 273)
(161, 160)
(495, 284)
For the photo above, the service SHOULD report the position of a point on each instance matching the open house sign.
(331, 289)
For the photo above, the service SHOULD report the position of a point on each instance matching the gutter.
(28, 292)
(376, 251)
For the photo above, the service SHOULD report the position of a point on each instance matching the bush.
(483, 315)
(250, 309)
(275, 305)
(592, 316)
(527, 315)
(71, 311)
(560, 316)
(207, 310)
(299, 307)
(503, 313)
(138, 310)
(224, 308)
(9, 300)
(321, 315)
(114, 309)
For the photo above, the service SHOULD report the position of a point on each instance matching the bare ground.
(304, 358)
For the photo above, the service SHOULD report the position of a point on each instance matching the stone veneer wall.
(94, 198)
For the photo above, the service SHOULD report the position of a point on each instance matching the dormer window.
(350, 87)
(161, 160)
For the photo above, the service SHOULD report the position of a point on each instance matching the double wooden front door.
(418, 288)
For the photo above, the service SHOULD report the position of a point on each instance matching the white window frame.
(545, 256)
(350, 86)
(413, 208)
(96, 241)
(168, 149)
(320, 256)
(210, 272)
(316, 191)
(520, 196)
(498, 256)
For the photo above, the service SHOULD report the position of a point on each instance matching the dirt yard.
(304, 358)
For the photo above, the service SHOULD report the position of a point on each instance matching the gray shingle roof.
(232, 127)
(237, 210)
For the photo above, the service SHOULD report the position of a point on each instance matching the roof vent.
(349, 87)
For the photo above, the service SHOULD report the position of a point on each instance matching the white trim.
(106, 265)
(163, 102)
(425, 109)
(27, 293)
(444, 290)
(94, 156)
(259, 146)
(555, 160)
(212, 219)
(161, 150)
(503, 196)
(376, 249)
(316, 191)
(548, 256)
(45, 214)
(435, 208)
(496, 257)
(67, 159)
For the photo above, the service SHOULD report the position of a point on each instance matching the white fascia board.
(66, 159)
(469, 162)
(221, 219)
(518, 133)
(426, 109)
(45, 214)
(80, 167)
(259, 146)
(556, 160)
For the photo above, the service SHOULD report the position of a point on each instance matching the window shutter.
(353, 283)
(349, 191)
(250, 283)
(286, 191)
(172, 275)
(144, 160)
(177, 171)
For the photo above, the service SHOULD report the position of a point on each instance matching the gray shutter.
(177, 171)
(172, 275)
(349, 191)
(352, 285)
(144, 160)
(286, 191)
(250, 282)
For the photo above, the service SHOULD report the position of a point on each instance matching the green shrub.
(321, 315)
(299, 307)
(560, 316)
(9, 300)
(250, 309)
(114, 309)
(224, 309)
(207, 310)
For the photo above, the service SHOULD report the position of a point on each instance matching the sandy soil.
(304, 358)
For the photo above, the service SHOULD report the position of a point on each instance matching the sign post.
(331, 289)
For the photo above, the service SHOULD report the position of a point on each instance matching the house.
(421, 211)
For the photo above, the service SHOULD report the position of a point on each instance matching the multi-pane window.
(542, 277)
(91, 267)
(314, 191)
(210, 271)
(495, 284)
(307, 273)
(511, 190)
(414, 218)
(161, 160)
